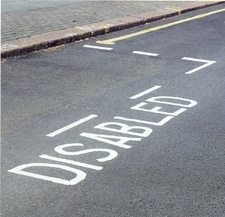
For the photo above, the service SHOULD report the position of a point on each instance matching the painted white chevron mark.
(207, 63)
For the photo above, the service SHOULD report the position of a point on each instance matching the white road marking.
(76, 163)
(207, 63)
(161, 123)
(60, 149)
(145, 53)
(115, 140)
(156, 99)
(145, 92)
(81, 121)
(125, 129)
(110, 139)
(97, 47)
(156, 109)
(80, 174)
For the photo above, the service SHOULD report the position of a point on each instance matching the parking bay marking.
(63, 129)
(113, 40)
(207, 63)
(145, 92)
(115, 140)
(97, 47)
(145, 53)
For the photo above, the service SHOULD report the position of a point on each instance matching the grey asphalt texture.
(176, 171)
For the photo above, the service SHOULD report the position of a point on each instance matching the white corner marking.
(207, 63)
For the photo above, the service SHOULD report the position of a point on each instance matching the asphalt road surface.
(136, 130)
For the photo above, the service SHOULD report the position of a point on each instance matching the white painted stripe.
(76, 163)
(207, 63)
(80, 175)
(97, 47)
(81, 121)
(161, 123)
(145, 53)
(145, 92)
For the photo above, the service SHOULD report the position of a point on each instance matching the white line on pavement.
(161, 123)
(81, 121)
(207, 63)
(145, 53)
(145, 92)
(76, 163)
(97, 47)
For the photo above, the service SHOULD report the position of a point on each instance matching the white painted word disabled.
(126, 131)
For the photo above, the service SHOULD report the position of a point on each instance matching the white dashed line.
(145, 53)
(81, 121)
(145, 92)
(97, 47)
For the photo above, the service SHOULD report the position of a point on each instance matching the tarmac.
(35, 26)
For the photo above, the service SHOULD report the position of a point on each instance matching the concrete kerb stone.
(151, 16)
(42, 41)
(51, 39)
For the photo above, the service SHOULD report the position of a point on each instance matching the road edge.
(60, 37)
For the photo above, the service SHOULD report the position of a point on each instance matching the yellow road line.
(113, 40)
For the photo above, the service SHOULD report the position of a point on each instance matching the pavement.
(33, 25)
